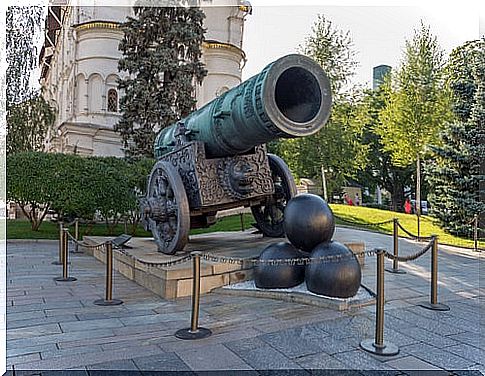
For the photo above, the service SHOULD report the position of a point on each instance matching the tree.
(161, 53)
(22, 24)
(478, 131)
(337, 146)
(31, 184)
(333, 50)
(27, 124)
(379, 171)
(454, 169)
(28, 115)
(417, 106)
(75, 186)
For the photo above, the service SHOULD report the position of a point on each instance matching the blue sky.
(378, 32)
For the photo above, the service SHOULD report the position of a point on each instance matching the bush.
(31, 184)
(75, 186)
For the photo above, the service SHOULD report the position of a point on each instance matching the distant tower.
(378, 74)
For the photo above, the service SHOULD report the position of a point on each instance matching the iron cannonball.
(338, 279)
(308, 221)
(279, 276)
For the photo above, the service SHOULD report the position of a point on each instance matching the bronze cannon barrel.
(289, 98)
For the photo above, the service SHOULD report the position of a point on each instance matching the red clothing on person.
(407, 207)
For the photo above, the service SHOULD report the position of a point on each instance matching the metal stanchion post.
(241, 217)
(475, 232)
(395, 246)
(108, 301)
(378, 346)
(61, 235)
(433, 304)
(194, 332)
(76, 235)
(65, 259)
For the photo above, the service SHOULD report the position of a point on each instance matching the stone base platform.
(300, 294)
(139, 261)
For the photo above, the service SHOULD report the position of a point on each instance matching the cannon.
(216, 158)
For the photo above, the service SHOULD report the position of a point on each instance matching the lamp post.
(324, 184)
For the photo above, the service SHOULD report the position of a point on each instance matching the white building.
(79, 70)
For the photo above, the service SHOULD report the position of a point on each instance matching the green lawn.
(17, 229)
(20, 229)
(361, 215)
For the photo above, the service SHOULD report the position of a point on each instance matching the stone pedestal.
(139, 262)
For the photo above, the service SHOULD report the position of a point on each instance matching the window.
(112, 100)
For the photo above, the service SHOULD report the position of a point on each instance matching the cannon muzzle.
(291, 97)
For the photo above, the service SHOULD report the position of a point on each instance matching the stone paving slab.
(411, 363)
(435, 355)
(56, 326)
(212, 357)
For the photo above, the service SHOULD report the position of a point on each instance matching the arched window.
(112, 100)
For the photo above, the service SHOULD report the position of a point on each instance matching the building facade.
(79, 70)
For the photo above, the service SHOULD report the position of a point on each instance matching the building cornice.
(97, 25)
(215, 45)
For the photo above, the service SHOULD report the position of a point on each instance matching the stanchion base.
(388, 349)
(103, 302)
(189, 334)
(62, 279)
(435, 307)
(395, 271)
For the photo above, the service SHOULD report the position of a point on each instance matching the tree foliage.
(22, 23)
(75, 186)
(32, 182)
(379, 171)
(28, 115)
(333, 50)
(417, 104)
(337, 147)
(161, 53)
(27, 124)
(454, 169)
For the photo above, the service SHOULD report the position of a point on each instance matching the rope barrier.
(315, 260)
(178, 261)
(86, 245)
(363, 224)
(273, 262)
(412, 257)
(410, 234)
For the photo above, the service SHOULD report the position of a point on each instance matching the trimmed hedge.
(75, 186)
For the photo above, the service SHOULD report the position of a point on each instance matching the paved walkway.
(54, 325)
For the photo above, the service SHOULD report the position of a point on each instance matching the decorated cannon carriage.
(216, 158)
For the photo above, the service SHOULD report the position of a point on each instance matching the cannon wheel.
(269, 215)
(167, 213)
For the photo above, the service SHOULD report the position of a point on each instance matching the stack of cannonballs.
(309, 225)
